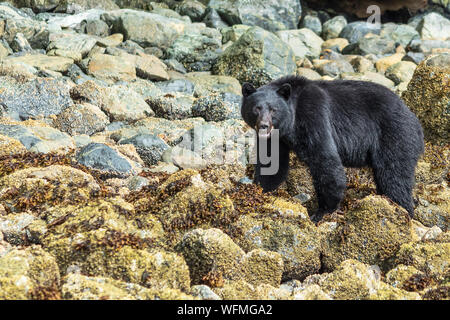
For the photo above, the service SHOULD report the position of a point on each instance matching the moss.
(371, 231)
(428, 96)
(29, 273)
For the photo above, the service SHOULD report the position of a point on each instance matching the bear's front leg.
(271, 181)
(329, 179)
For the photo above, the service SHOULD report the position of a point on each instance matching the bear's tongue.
(265, 133)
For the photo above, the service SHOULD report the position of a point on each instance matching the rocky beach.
(124, 159)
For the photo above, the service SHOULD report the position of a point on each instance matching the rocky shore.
(114, 179)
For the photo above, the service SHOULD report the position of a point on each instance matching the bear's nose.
(264, 126)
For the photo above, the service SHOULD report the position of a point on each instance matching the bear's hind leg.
(395, 180)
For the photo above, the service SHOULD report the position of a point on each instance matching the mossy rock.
(428, 96)
(258, 56)
(242, 290)
(291, 234)
(79, 287)
(372, 232)
(432, 258)
(353, 280)
(210, 251)
(29, 273)
(433, 207)
(262, 267)
(408, 278)
(32, 188)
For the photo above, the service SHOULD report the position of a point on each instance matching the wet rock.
(270, 15)
(386, 227)
(428, 98)
(82, 118)
(29, 273)
(252, 58)
(102, 157)
(303, 42)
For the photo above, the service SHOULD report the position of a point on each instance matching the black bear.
(335, 124)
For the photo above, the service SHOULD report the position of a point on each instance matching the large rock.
(38, 137)
(111, 68)
(291, 235)
(71, 41)
(402, 34)
(333, 27)
(59, 183)
(15, 21)
(29, 273)
(357, 30)
(258, 57)
(429, 97)
(119, 102)
(434, 26)
(271, 15)
(31, 99)
(44, 62)
(371, 232)
(197, 51)
(102, 157)
(355, 280)
(304, 42)
(401, 71)
(145, 28)
(83, 118)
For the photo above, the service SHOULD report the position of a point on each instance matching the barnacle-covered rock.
(29, 273)
(372, 231)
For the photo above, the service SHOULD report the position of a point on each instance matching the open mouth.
(265, 133)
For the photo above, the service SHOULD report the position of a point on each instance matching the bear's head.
(267, 108)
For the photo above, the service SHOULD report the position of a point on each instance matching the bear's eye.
(258, 109)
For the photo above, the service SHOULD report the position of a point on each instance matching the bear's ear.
(247, 89)
(285, 91)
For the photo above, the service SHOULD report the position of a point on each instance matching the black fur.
(335, 124)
